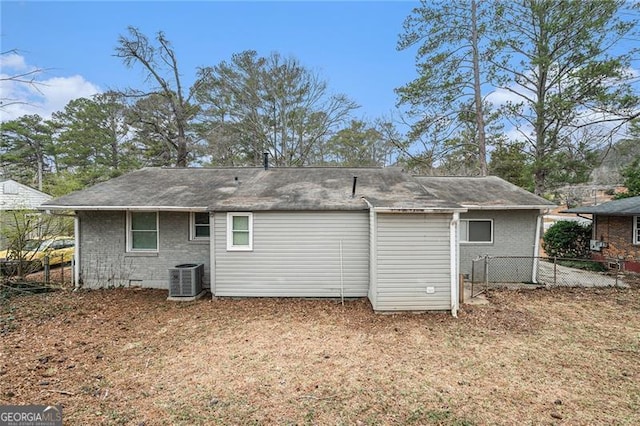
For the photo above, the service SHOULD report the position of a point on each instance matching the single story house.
(16, 197)
(282, 232)
(616, 231)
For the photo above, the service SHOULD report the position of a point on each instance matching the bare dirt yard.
(127, 356)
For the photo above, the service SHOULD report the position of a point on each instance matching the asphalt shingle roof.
(237, 189)
(308, 188)
(489, 192)
(623, 207)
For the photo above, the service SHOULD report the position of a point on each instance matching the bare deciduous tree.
(161, 65)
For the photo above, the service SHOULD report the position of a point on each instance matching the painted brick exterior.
(513, 235)
(104, 261)
(617, 232)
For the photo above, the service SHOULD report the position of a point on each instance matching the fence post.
(473, 275)
(486, 271)
(45, 264)
(555, 272)
(62, 269)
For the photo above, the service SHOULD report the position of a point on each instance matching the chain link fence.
(519, 271)
(36, 269)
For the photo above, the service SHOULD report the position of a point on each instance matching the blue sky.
(352, 44)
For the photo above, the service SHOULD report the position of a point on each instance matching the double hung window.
(239, 231)
(142, 231)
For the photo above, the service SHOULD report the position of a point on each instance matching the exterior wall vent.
(10, 188)
(185, 280)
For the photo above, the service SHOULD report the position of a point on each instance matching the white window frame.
(192, 227)
(463, 238)
(130, 233)
(636, 230)
(230, 245)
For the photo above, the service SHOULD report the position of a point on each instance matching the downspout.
(212, 255)
(453, 246)
(373, 266)
(76, 255)
(536, 248)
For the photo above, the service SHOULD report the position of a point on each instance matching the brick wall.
(617, 232)
(514, 234)
(104, 261)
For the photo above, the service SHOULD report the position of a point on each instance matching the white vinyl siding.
(295, 254)
(476, 231)
(636, 230)
(239, 231)
(199, 226)
(413, 262)
(142, 231)
(15, 196)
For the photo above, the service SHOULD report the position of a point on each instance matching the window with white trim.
(476, 231)
(636, 230)
(200, 228)
(142, 231)
(239, 231)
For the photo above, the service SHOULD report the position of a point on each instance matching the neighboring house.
(616, 231)
(15, 197)
(502, 219)
(280, 232)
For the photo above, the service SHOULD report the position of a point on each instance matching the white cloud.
(58, 91)
(42, 96)
(12, 61)
(500, 97)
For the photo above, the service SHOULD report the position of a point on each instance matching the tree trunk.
(540, 107)
(115, 160)
(182, 152)
(39, 162)
(477, 88)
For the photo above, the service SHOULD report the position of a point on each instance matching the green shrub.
(567, 239)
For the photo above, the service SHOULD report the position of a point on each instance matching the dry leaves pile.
(129, 356)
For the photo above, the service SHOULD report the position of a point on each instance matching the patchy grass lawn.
(562, 356)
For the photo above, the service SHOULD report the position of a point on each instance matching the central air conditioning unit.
(185, 280)
(597, 245)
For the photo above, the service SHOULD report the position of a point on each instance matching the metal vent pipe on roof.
(353, 190)
(266, 161)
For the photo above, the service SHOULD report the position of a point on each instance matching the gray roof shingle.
(623, 207)
(489, 192)
(308, 188)
(237, 189)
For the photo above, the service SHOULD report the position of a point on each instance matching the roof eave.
(604, 213)
(509, 207)
(126, 208)
(419, 209)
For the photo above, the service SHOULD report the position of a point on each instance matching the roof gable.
(16, 196)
